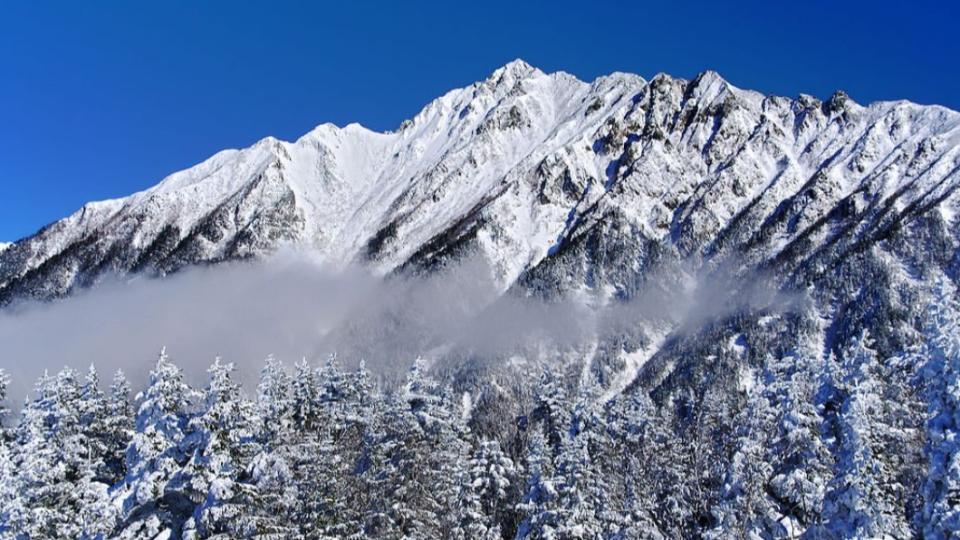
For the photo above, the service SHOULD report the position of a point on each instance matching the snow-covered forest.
(610, 309)
(854, 446)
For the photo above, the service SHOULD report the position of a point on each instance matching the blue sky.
(101, 99)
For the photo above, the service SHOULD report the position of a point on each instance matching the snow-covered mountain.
(564, 188)
(529, 169)
(772, 282)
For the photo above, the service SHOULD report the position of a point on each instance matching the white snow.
(746, 379)
(466, 406)
(737, 344)
(634, 363)
(767, 320)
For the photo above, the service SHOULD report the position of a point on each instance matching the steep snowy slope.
(349, 194)
(565, 187)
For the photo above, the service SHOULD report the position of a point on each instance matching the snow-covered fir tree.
(494, 481)
(118, 428)
(940, 516)
(862, 498)
(744, 509)
(8, 487)
(156, 455)
(222, 439)
(801, 461)
(540, 495)
(274, 496)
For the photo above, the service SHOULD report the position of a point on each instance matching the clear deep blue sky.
(101, 99)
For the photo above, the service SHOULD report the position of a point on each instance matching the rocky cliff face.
(571, 188)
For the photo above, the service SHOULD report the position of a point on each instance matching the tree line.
(846, 446)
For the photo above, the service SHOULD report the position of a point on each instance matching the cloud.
(291, 307)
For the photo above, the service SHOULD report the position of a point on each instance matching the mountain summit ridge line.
(517, 167)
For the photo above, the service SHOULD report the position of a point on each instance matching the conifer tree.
(271, 512)
(470, 519)
(9, 497)
(582, 506)
(495, 481)
(93, 416)
(156, 455)
(552, 410)
(538, 502)
(54, 479)
(305, 395)
(859, 503)
(800, 460)
(274, 405)
(744, 509)
(117, 429)
(223, 446)
(627, 459)
(4, 409)
(940, 515)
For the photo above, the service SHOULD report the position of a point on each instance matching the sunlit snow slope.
(515, 167)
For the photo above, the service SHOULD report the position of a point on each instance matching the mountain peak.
(517, 65)
(709, 76)
(511, 72)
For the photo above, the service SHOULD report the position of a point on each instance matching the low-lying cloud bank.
(293, 308)
(288, 307)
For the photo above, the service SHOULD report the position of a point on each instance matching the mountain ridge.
(563, 188)
(466, 114)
